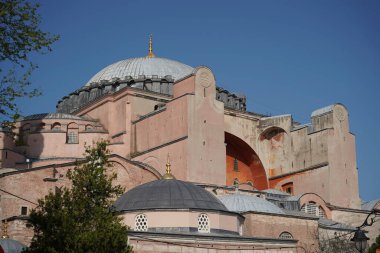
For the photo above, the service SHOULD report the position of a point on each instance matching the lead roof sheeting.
(11, 246)
(245, 203)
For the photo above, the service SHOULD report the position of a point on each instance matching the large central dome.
(149, 67)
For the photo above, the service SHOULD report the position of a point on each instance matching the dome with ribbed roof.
(168, 194)
(149, 67)
(244, 203)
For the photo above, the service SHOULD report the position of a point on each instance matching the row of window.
(54, 127)
(71, 134)
(141, 223)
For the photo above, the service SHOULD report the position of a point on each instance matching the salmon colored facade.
(211, 138)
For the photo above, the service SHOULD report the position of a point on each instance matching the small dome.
(168, 194)
(11, 246)
(134, 67)
(245, 203)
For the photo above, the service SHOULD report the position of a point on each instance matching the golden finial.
(150, 52)
(5, 230)
(168, 174)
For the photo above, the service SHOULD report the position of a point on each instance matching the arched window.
(41, 127)
(285, 235)
(89, 128)
(72, 133)
(56, 127)
(141, 222)
(203, 223)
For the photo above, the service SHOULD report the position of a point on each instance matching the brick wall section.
(17, 230)
(141, 246)
(266, 225)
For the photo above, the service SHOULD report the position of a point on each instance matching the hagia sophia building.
(236, 181)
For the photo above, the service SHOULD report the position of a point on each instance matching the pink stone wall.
(267, 225)
(207, 152)
(184, 219)
(163, 127)
(162, 245)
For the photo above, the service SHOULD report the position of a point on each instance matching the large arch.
(243, 164)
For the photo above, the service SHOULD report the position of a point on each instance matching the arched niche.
(272, 134)
(273, 144)
(243, 164)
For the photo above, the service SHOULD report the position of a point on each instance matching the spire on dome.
(150, 52)
(168, 174)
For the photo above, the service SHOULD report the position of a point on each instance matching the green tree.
(19, 37)
(375, 245)
(80, 219)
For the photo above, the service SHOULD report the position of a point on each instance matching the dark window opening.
(288, 188)
(24, 210)
(236, 164)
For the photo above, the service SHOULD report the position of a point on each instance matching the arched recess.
(273, 142)
(243, 164)
(313, 200)
(131, 173)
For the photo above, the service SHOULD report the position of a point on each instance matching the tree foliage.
(81, 219)
(375, 245)
(339, 243)
(19, 37)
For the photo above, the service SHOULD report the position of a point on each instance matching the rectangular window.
(72, 137)
(24, 210)
(236, 164)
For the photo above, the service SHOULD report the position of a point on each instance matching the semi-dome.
(147, 66)
(168, 194)
(244, 203)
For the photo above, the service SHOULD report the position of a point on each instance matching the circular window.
(141, 222)
(203, 223)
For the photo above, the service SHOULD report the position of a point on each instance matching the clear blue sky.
(285, 56)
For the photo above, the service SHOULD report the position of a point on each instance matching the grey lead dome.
(11, 246)
(168, 194)
(149, 67)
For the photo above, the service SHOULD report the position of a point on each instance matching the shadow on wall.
(243, 164)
